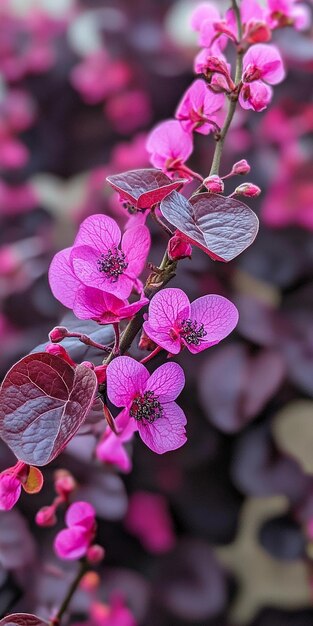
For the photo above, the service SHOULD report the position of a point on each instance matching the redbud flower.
(288, 13)
(104, 308)
(169, 146)
(111, 449)
(198, 106)
(174, 323)
(256, 96)
(149, 401)
(95, 260)
(214, 184)
(46, 516)
(10, 491)
(58, 334)
(73, 542)
(64, 483)
(95, 554)
(263, 62)
(247, 189)
(178, 248)
(241, 167)
(59, 351)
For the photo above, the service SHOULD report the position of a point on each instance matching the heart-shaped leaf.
(222, 227)
(43, 402)
(23, 619)
(144, 188)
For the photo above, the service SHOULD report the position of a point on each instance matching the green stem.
(215, 168)
(69, 594)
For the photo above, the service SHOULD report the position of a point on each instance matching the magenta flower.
(148, 518)
(103, 307)
(149, 401)
(74, 541)
(10, 491)
(174, 323)
(95, 260)
(198, 108)
(255, 96)
(169, 146)
(288, 13)
(111, 449)
(263, 62)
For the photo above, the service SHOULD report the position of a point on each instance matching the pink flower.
(148, 518)
(74, 541)
(10, 491)
(103, 307)
(149, 401)
(198, 107)
(250, 12)
(288, 13)
(98, 76)
(169, 146)
(256, 96)
(263, 62)
(95, 260)
(111, 449)
(174, 323)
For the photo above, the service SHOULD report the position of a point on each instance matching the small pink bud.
(100, 371)
(90, 582)
(247, 189)
(241, 167)
(214, 184)
(58, 333)
(257, 32)
(61, 352)
(95, 554)
(178, 248)
(64, 483)
(46, 516)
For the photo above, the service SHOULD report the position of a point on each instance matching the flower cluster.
(75, 541)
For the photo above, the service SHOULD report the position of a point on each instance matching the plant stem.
(215, 168)
(69, 594)
(151, 355)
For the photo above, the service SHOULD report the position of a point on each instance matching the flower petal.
(167, 432)
(219, 317)
(167, 382)
(125, 378)
(163, 339)
(63, 282)
(167, 307)
(71, 543)
(98, 231)
(85, 264)
(136, 245)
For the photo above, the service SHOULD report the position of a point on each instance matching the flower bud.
(61, 352)
(214, 184)
(257, 32)
(247, 189)
(90, 582)
(64, 483)
(178, 248)
(241, 167)
(46, 516)
(58, 333)
(95, 554)
(100, 371)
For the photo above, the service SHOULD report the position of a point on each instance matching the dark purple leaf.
(222, 227)
(23, 619)
(43, 403)
(144, 188)
(235, 387)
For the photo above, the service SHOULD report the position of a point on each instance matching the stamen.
(146, 407)
(192, 333)
(112, 263)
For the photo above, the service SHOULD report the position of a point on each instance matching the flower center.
(146, 407)
(192, 332)
(112, 263)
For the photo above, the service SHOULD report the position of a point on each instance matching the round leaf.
(23, 619)
(144, 188)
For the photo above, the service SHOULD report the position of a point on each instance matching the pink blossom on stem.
(255, 96)
(149, 401)
(111, 449)
(247, 189)
(73, 542)
(288, 13)
(10, 490)
(103, 307)
(114, 614)
(240, 168)
(198, 108)
(169, 146)
(214, 184)
(178, 248)
(174, 323)
(263, 62)
(95, 260)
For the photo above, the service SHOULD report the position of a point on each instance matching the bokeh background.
(217, 533)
